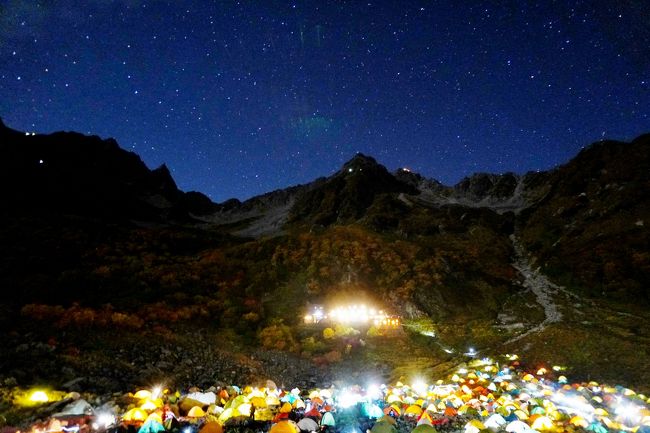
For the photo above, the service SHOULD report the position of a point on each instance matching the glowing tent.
(135, 415)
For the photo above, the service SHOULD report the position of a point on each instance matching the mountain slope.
(591, 230)
(476, 264)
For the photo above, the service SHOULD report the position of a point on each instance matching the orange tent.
(284, 427)
(450, 411)
(211, 427)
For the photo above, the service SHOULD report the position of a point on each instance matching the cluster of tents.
(483, 396)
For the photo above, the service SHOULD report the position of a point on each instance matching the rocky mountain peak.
(481, 185)
(360, 161)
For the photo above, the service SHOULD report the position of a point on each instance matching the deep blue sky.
(240, 98)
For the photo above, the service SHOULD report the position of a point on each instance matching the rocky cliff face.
(346, 196)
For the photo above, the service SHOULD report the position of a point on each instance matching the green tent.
(383, 427)
(424, 428)
(328, 419)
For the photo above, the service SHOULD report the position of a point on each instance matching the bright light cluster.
(356, 314)
(39, 397)
(352, 314)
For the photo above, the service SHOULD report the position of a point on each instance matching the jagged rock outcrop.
(481, 185)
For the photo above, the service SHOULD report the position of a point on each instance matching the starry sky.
(241, 98)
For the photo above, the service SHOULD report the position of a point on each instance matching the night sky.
(240, 98)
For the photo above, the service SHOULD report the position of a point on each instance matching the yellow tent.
(409, 400)
(240, 399)
(226, 415)
(258, 402)
(579, 421)
(196, 412)
(214, 409)
(143, 394)
(149, 406)
(521, 415)
(135, 415)
(413, 410)
(432, 408)
(474, 426)
(393, 398)
(256, 393)
(264, 414)
(243, 409)
(542, 423)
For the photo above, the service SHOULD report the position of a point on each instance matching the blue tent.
(151, 426)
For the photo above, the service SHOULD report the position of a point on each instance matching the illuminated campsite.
(483, 395)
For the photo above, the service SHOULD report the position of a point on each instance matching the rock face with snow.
(362, 186)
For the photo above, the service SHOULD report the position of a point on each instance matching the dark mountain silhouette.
(75, 174)
(71, 173)
(574, 217)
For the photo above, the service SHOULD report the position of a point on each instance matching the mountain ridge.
(100, 241)
(68, 171)
(117, 184)
(472, 190)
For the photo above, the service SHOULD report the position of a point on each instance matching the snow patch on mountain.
(539, 285)
(268, 224)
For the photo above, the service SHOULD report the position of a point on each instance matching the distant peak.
(360, 161)
(162, 169)
(361, 157)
